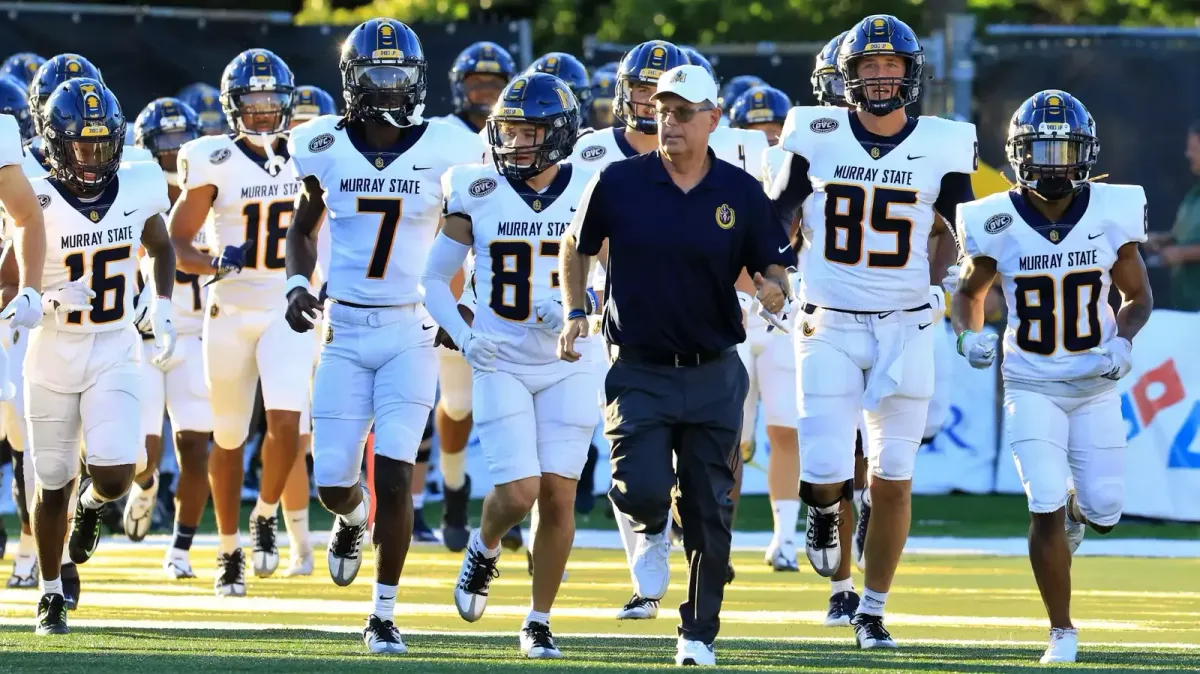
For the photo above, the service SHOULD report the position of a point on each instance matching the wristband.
(592, 301)
(296, 281)
(576, 313)
(961, 337)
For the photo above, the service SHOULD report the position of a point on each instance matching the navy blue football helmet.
(828, 86)
(1052, 144)
(22, 66)
(699, 59)
(205, 101)
(481, 58)
(604, 89)
(643, 65)
(163, 127)
(881, 35)
(759, 105)
(52, 73)
(14, 101)
(256, 93)
(311, 102)
(570, 70)
(84, 132)
(546, 104)
(384, 73)
(737, 86)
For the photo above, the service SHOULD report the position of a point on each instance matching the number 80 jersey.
(516, 242)
(1056, 278)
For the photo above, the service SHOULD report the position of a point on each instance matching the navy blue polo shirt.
(673, 256)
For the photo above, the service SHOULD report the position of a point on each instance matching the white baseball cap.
(690, 82)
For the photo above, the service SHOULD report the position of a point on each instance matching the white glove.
(978, 348)
(780, 320)
(71, 296)
(25, 310)
(141, 311)
(1120, 351)
(550, 313)
(164, 330)
(937, 303)
(950, 282)
(479, 351)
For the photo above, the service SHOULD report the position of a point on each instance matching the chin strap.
(275, 163)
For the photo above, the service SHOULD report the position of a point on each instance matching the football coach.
(674, 229)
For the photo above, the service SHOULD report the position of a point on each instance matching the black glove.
(301, 302)
(442, 338)
(324, 293)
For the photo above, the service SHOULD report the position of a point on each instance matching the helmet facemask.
(1052, 161)
(386, 93)
(881, 95)
(632, 105)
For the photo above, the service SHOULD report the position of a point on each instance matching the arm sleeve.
(955, 190)
(789, 189)
(589, 227)
(766, 243)
(445, 259)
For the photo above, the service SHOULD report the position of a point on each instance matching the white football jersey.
(1056, 278)
(251, 207)
(741, 147)
(456, 122)
(34, 164)
(99, 240)
(517, 237)
(867, 226)
(382, 214)
(772, 162)
(189, 294)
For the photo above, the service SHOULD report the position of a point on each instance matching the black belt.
(810, 308)
(356, 305)
(634, 354)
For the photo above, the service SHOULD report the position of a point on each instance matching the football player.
(733, 90)
(696, 58)
(1057, 243)
(25, 238)
(22, 66)
(534, 413)
(604, 89)
(205, 100)
(49, 75)
(163, 127)
(378, 171)
(479, 74)
(876, 178)
(572, 71)
(311, 102)
(83, 378)
(14, 100)
(246, 182)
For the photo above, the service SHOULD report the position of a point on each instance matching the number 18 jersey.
(253, 205)
(866, 227)
(1056, 279)
(383, 205)
(517, 233)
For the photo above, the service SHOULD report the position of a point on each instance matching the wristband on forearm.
(591, 302)
(961, 337)
(576, 313)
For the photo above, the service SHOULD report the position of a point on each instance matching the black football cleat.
(52, 615)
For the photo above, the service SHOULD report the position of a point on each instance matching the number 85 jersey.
(1056, 278)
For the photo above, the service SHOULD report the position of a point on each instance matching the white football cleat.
(870, 632)
(639, 608)
(178, 568)
(1075, 530)
(266, 552)
(1064, 645)
(474, 578)
(382, 637)
(781, 556)
(821, 542)
(538, 643)
(139, 510)
(231, 575)
(652, 565)
(344, 552)
(300, 562)
(694, 654)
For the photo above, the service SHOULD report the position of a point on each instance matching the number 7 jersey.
(1056, 278)
(384, 205)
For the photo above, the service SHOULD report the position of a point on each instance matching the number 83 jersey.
(1056, 278)
(867, 225)
(516, 241)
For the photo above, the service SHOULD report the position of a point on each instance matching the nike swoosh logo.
(127, 213)
(920, 156)
(391, 598)
(573, 209)
(785, 248)
(1096, 236)
(421, 168)
(426, 327)
(923, 326)
(886, 314)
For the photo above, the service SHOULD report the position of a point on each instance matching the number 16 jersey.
(253, 206)
(866, 227)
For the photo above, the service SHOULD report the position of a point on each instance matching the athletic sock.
(90, 500)
(229, 543)
(418, 498)
(297, 528)
(537, 617)
(385, 601)
(264, 509)
(358, 516)
(454, 470)
(787, 514)
(476, 543)
(183, 537)
(872, 602)
(52, 586)
(838, 586)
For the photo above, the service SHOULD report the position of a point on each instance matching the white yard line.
(758, 540)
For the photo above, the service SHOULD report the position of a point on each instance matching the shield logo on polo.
(379, 162)
(726, 218)
(94, 216)
(1054, 235)
(328, 333)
